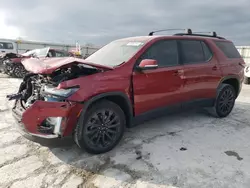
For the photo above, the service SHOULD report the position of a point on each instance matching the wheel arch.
(233, 81)
(119, 98)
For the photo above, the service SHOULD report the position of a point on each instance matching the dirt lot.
(184, 150)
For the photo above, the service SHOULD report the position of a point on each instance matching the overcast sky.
(101, 21)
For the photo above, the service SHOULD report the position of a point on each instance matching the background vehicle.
(124, 83)
(7, 46)
(20, 46)
(12, 62)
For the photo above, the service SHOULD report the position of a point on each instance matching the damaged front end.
(42, 109)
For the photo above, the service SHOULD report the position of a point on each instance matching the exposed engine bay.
(40, 86)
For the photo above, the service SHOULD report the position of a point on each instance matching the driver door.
(160, 87)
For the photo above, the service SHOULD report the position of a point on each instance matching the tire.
(96, 137)
(19, 71)
(224, 102)
(246, 80)
(8, 69)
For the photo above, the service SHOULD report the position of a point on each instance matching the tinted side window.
(165, 52)
(228, 49)
(191, 51)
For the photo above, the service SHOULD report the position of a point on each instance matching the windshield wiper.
(120, 64)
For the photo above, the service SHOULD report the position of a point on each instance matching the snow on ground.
(189, 149)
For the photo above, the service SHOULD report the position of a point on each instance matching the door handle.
(175, 73)
(214, 68)
(241, 64)
(178, 72)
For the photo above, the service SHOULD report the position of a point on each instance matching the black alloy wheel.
(102, 128)
(225, 100)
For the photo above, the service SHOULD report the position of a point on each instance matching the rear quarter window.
(228, 49)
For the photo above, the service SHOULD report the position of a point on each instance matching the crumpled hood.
(14, 57)
(10, 55)
(49, 65)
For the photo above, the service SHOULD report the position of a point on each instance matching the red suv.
(124, 83)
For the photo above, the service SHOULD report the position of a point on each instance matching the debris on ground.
(233, 153)
(183, 149)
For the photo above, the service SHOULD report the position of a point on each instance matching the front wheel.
(224, 102)
(101, 128)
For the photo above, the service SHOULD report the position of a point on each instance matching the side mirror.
(147, 64)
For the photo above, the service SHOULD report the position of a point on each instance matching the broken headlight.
(60, 92)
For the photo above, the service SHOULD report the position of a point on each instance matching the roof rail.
(213, 34)
(187, 31)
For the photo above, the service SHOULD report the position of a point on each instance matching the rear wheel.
(102, 127)
(224, 102)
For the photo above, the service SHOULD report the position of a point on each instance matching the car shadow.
(148, 152)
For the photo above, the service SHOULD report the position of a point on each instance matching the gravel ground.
(189, 149)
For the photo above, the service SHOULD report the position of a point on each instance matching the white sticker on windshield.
(134, 44)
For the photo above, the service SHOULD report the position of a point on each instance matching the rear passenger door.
(201, 72)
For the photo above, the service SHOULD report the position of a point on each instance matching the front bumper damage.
(47, 119)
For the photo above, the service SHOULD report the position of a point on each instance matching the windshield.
(37, 52)
(115, 53)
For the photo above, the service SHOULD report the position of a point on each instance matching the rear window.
(228, 49)
(6, 45)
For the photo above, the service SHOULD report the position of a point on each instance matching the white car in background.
(247, 74)
(7, 47)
